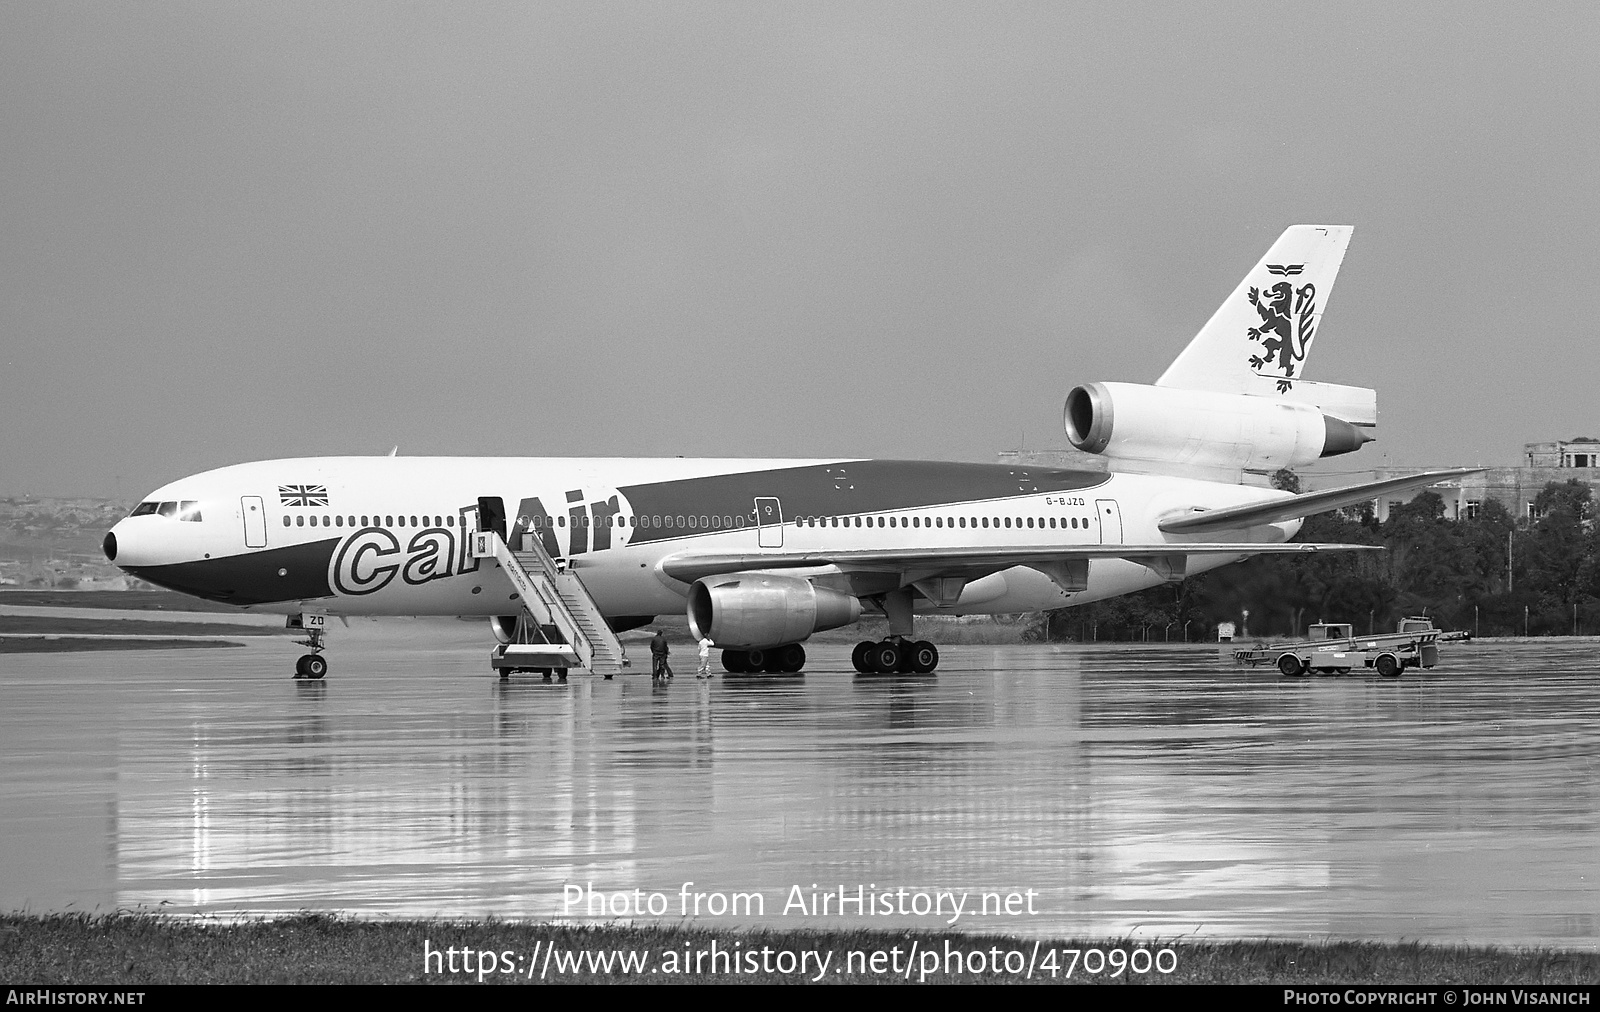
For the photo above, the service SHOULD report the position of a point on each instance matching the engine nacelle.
(1173, 430)
(749, 610)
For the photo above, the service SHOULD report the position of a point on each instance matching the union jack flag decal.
(303, 495)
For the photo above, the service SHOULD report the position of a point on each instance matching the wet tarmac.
(1152, 791)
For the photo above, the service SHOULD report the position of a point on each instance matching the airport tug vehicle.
(1333, 648)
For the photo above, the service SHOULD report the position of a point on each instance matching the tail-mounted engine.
(1166, 430)
(748, 610)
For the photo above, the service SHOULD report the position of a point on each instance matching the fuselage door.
(255, 521)
(1110, 521)
(769, 522)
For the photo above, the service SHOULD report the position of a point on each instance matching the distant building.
(1515, 488)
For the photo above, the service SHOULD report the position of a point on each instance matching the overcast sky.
(240, 231)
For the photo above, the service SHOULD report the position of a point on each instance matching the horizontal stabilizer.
(1356, 405)
(1279, 509)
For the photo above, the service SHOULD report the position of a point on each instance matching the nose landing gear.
(313, 665)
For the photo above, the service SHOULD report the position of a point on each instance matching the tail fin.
(1258, 341)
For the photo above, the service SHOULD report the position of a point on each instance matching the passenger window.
(285, 521)
(1030, 521)
(144, 509)
(450, 521)
(364, 522)
(299, 521)
(338, 521)
(388, 520)
(705, 521)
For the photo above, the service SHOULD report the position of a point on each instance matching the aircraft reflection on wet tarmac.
(1146, 790)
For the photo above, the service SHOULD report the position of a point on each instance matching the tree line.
(1490, 574)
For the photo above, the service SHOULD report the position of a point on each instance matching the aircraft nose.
(133, 543)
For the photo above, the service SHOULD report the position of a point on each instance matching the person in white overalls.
(705, 657)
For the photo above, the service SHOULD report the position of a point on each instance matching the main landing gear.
(313, 665)
(784, 660)
(895, 655)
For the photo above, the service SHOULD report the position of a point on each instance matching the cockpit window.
(189, 510)
(167, 509)
(143, 509)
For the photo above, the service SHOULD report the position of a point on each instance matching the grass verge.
(142, 948)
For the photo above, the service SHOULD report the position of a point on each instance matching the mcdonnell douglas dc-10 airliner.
(561, 554)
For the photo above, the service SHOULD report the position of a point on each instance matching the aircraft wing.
(1276, 510)
(691, 566)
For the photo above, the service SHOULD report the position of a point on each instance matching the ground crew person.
(659, 672)
(705, 657)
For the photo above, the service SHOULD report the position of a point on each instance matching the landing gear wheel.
(735, 661)
(312, 666)
(861, 657)
(1290, 665)
(924, 657)
(790, 658)
(1388, 665)
(756, 660)
(886, 657)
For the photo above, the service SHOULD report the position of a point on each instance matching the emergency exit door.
(769, 522)
(1110, 515)
(255, 521)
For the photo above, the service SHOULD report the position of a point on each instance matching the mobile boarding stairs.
(559, 625)
(1333, 647)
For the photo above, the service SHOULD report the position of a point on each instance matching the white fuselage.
(386, 535)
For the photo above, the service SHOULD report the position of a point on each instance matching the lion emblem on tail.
(1288, 322)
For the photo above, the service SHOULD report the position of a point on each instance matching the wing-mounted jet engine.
(1236, 400)
(750, 613)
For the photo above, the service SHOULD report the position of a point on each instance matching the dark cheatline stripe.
(865, 486)
(251, 578)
